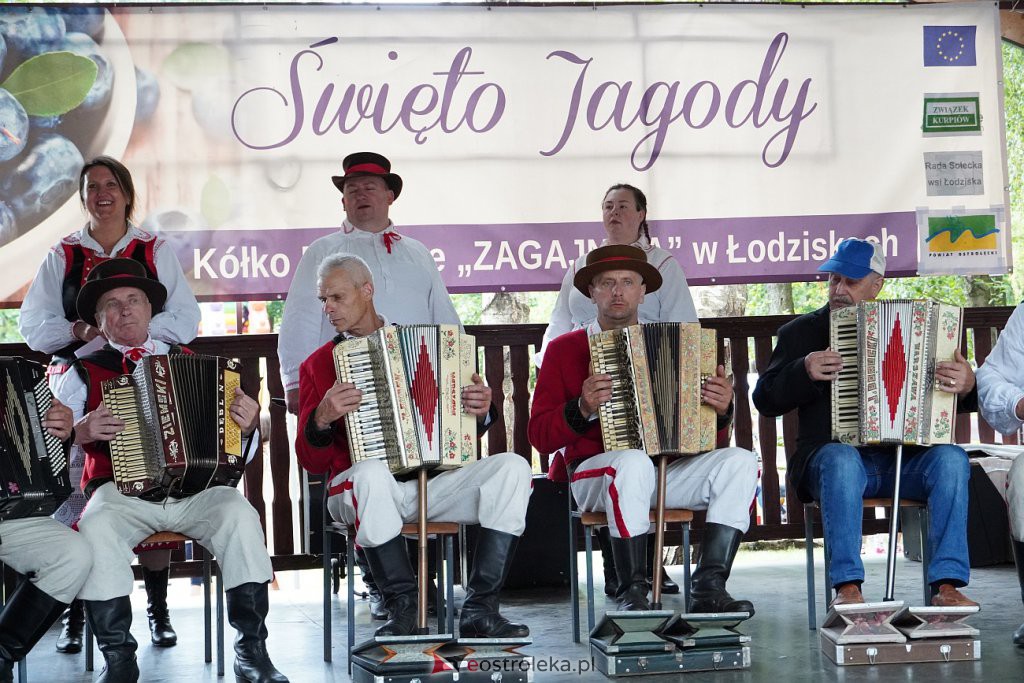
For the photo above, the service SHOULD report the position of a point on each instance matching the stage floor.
(784, 650)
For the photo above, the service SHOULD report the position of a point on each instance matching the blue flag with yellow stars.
(950, 46)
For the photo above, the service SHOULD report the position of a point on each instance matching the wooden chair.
(812, 617)
(444, 532)
(590, 521)
(174, 537)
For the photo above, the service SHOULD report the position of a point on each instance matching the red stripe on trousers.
(613, 493)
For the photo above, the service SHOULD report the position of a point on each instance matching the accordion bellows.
(179, 438)
(886, 391)
(34, 477)
(657, 371)
(411, 412)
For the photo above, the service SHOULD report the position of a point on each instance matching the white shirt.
(671, 303)
(407, 290)
(69, 388)
(46, 329)
(1000, 379)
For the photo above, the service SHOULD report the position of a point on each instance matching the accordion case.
(179, 438)
(886, 391)
(411, 413)
(33, 463)
(657, 371)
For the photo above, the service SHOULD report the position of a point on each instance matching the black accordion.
(179, 438)
(33, 463)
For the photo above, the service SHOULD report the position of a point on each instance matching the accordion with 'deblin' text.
(886, 391)
(411, 413)
(34, 479)
(179, 438)
(657, 372)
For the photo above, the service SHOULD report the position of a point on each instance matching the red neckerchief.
(390, 237)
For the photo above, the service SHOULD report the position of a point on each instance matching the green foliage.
(9, 325)
(275, 309)
(52, 84)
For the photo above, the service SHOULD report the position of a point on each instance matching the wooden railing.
(507, 353)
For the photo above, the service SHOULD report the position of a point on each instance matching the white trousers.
(1015, 498)
(58, 557)
(220, 519)
(623, 485)
(492, 492)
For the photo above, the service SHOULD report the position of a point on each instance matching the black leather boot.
(393, 573)
(377, 610)
(160, 630)
(247, 607)
(631, 566)
(668, 586)
(611, 579)
(491, 561)
(1018, 556)
(717, 552)
(412, 547)
(70, 639)
(25, 618)
(111, 622)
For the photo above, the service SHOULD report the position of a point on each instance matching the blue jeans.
(840, 476)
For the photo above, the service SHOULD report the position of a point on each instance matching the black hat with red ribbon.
(363, 164)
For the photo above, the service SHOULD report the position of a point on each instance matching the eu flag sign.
(950, 46)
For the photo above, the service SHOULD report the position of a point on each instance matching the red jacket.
(560, 380)
(316, 376)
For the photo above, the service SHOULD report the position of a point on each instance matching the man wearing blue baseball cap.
(839, 476)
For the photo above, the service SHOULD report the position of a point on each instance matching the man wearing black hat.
(120, 300)
(409, 289)
(53, 558)
(622, 483)
(839, 476)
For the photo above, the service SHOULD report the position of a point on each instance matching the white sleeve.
(178, 323)
(69, 389)
(42, 323)
(674, 294)
(561, 317)
(1000, 383)
(299, 334)
(442, 310)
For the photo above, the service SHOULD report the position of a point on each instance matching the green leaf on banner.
(193, 63)
(51, 84)
(215, 202)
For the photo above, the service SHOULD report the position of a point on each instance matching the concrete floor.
(783, 649)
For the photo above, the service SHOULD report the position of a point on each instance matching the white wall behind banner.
(762, 135)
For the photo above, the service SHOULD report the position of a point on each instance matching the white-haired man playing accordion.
(493, 492)
(839, 476)
(120, 299)
(622, 483)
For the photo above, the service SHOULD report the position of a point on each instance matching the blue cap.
(856, 258)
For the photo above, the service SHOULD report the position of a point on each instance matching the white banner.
(761, 135)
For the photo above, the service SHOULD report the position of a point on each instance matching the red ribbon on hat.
(390, 238)
(366, 168)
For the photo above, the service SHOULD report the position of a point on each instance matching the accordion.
(179, 438)
(657, 371)
(886, 392)
(33, 463)
(411, 412)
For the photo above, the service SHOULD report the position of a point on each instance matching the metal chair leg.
(207, 608)
(439, 587)
(574, 578)
(449, 577)
(89, 653)
(812, 598)
(925, 555)
(350, 560)
(686, 566)
(328, 580)
(220, 624)
(828, 569)
(589, 540)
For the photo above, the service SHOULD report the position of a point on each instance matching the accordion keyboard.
(846, 411)
(128, 450)
(367, 433)
(619, 425)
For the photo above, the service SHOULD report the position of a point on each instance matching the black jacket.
(785, 385)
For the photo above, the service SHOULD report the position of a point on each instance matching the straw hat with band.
(114, 273)
(362, 164)
(616, 257)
